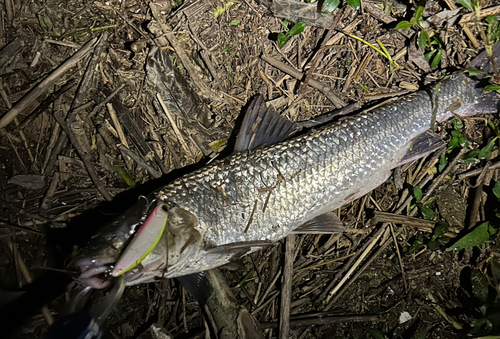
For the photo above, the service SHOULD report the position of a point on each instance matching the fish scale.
(272, 190)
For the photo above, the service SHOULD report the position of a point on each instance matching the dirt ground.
(388, 275)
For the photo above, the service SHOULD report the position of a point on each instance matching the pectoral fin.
(198, 285)
(423, 145)
(326, 223)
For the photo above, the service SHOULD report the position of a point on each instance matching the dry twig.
(46, 83)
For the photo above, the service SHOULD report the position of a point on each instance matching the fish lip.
(94, 272)
(97, 273)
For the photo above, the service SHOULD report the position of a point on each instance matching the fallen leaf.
(28, 181)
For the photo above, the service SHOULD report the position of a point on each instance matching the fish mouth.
(95, 273)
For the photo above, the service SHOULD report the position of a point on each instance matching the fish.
(277, 182)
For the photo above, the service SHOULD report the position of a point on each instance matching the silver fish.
(256, 197)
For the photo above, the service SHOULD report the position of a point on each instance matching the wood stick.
(495, 10)
(21, 228)
(319, 54)
(118, 126)
(478, 171)
(268, 289)
(46, 104)
(43, 85)
(286, 288)
(174, 126)
(372, 243)
(358, 273)
(49, 195)
(105, 101)
(476, 204)
(84, 156)
(29, 279)
(467, 31)
(336, 101)
(399, 257)
(326, 320)
(25, 213)
(422, 224)
(140, 161)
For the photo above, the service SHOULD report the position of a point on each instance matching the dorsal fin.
(261, 125)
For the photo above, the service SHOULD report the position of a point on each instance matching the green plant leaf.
(458, 140)
(282, 39)
(486, 151)
(416, 246)
(439, 230)
(433, 245)
(235, 22)
(477, 236)
(492, 20)
(296, 29)
(437, 58)
(493, 28)
(354, 3)
(443, 161)
(45, 22)
(453, 143)
(429, 201)
(496, 189)
(374, 333)
(462, 141)
(221, 9)
(457, 124)
(245, 278)
(422, 40)
(417, 192)
(473, 72)
(418, 14)
(493, 127)
(427, 213)
(443, 240)
(466, 3)
(423, 333)
(404, 25)
(480, 323)
(429, 55)
(492, 88)
(471, 157)
(95, 29)
(125, 176)
(479, 285)
(329, 6)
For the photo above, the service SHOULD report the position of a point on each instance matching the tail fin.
(482, 61)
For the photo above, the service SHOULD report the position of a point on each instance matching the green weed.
(296, 29)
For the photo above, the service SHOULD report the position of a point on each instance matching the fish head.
(178, 247)
(151, 239)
